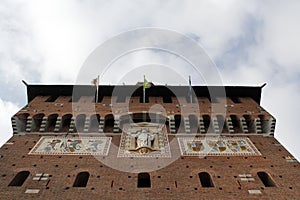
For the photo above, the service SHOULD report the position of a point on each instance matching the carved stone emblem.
(144, 139)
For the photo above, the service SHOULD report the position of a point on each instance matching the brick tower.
(175, 145)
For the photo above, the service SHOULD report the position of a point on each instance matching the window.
(52, 98)
(266, 179)
(19, 179)
(235, 99)
(144, 180)
(167, 99)
(81, 179)
(205, 180)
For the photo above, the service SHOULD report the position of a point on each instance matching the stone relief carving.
(144, 139)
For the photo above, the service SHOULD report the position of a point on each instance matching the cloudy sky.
(251, 42)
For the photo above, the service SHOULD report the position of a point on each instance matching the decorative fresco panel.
(59, 145)
(217, 146)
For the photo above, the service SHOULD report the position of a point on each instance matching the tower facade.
(175, 145)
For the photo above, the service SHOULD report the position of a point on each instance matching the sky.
(251, 43)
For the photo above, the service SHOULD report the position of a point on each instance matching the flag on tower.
(95, 82)
(146, 83)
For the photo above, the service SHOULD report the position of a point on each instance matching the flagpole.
(190, 90)
(97, 90)
(144, 90)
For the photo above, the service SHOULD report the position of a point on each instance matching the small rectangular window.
(144, 180)
(19, 179)
(52, 98)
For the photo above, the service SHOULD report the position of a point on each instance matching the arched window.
(144, 180)
(205, 179)
(19, 179)
(266, 179)
(81, 179)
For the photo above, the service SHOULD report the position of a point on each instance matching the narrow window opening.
(81, 179)
(19, 179)
(144, 180)
(266, 179)
(167, 99)
(205, 180)
(52, 98)
(235, 99)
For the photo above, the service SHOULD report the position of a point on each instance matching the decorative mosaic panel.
(50, 145)
(145, 141)
(217, 146)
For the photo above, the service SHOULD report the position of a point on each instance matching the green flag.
(146, 84)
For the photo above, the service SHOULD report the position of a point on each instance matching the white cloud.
(8, 109)
(252, 42)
